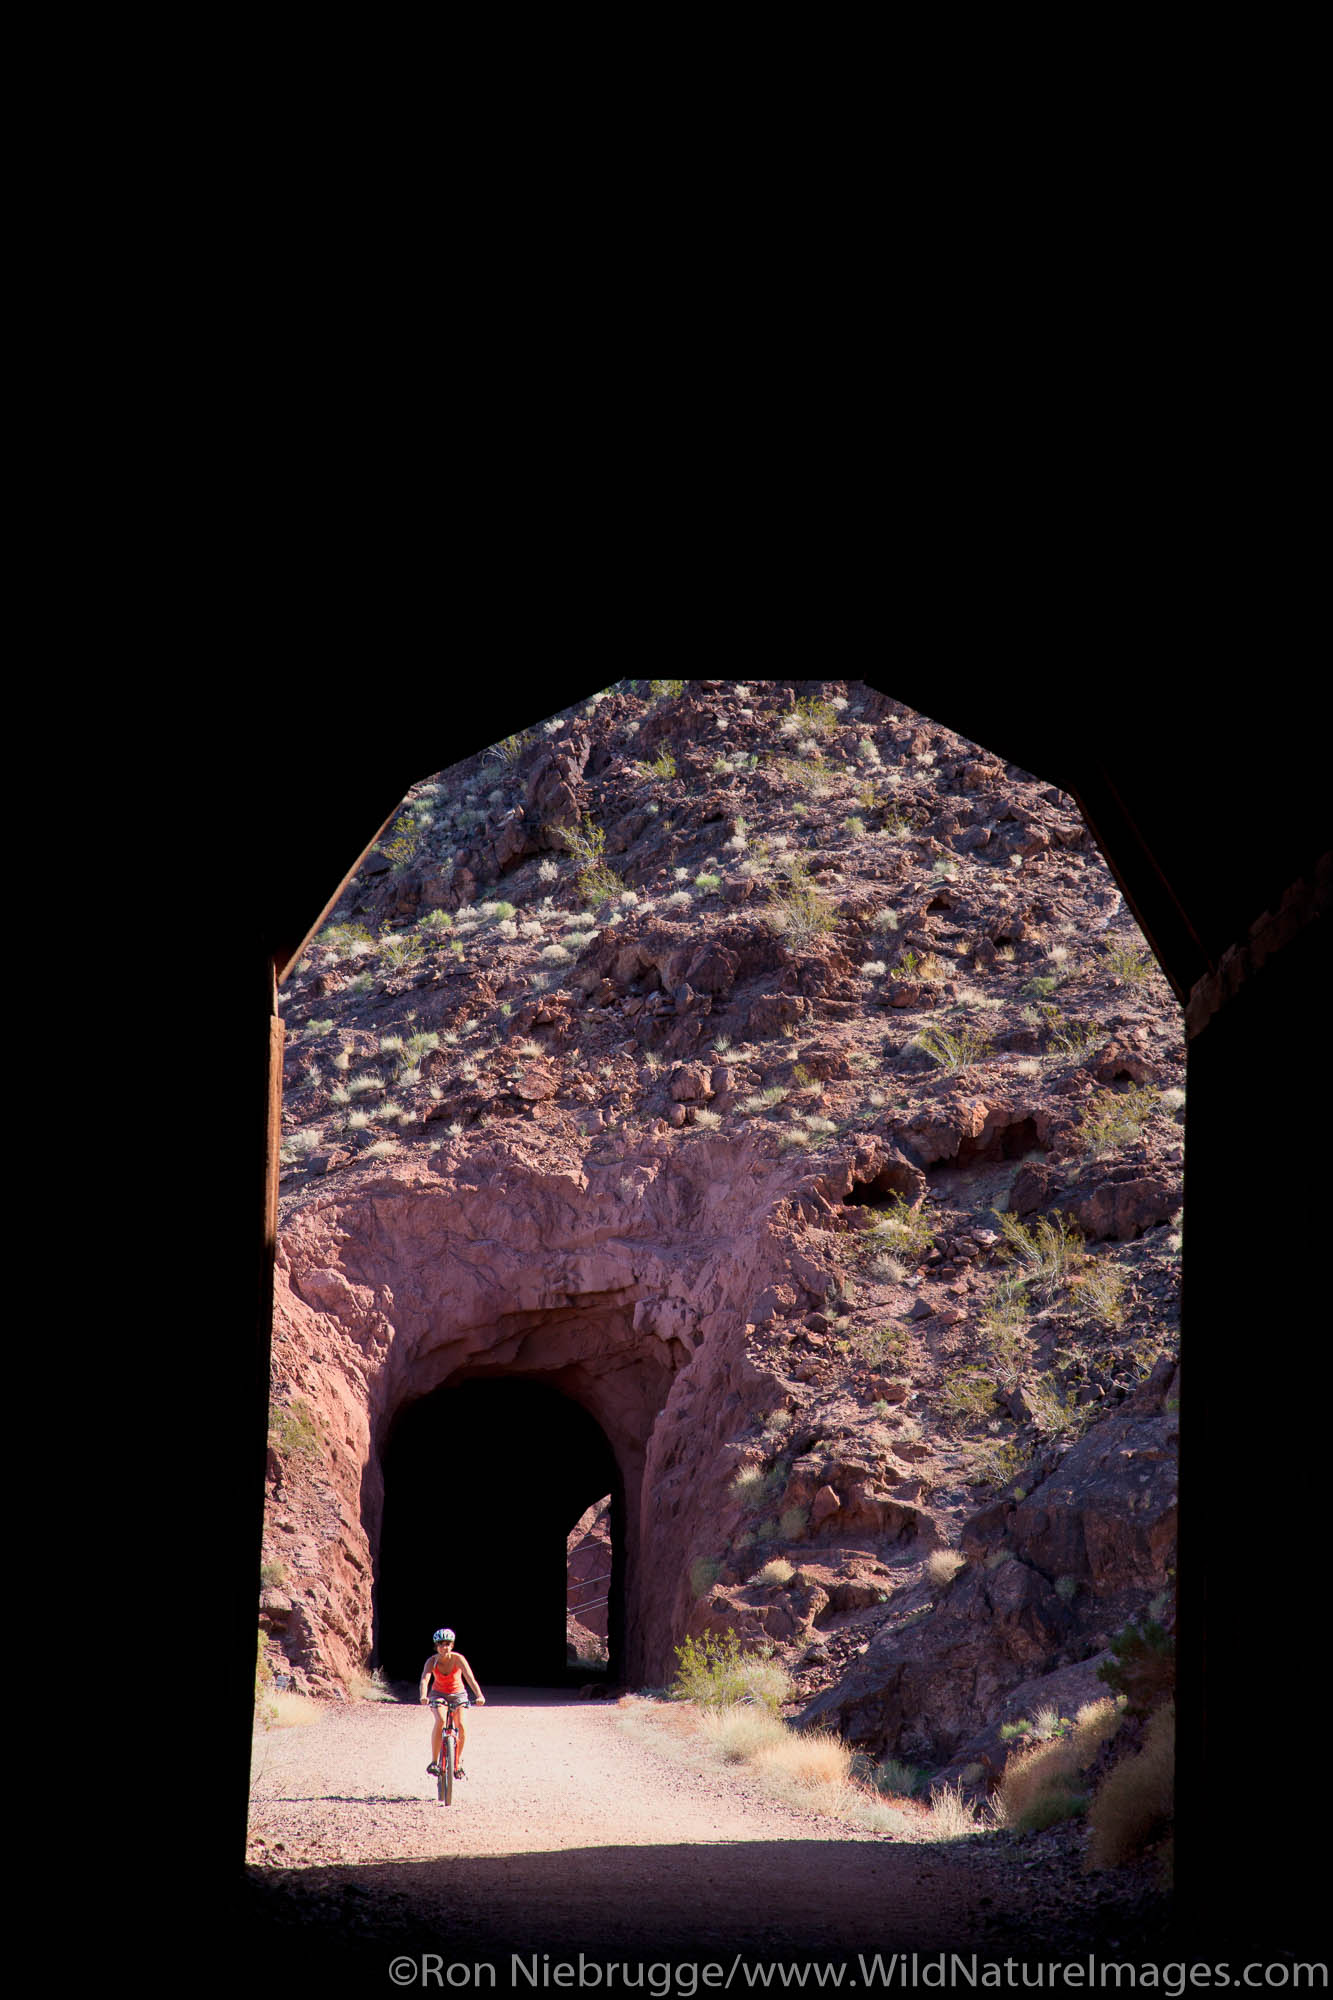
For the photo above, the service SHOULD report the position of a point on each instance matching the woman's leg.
(458, 1715)
(436, 1734)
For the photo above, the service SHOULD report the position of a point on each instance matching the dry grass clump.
(1135, 1800)
(740, 1732)
(1041, 1784)
(950, 1816)
(809, 1761)
(777, 1571)
(288, 1710)
(943, 1566)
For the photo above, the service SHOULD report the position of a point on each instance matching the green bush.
(1051, 1249)
(1114, 1119)
(713, 1671)
(704, 1573)
(596, 882)
(1143, 1666)
(953, 1050)
(293, 1430)
(901, 1228)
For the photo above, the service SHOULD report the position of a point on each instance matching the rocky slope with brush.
(780, 1076)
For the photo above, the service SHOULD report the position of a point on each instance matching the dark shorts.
(436, 1699)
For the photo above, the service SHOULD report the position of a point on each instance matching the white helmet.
(444, 1637)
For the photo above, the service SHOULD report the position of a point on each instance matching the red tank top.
(450, 1683)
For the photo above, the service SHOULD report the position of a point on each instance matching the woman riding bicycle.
(445, 1673)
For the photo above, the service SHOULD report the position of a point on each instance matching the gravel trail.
(572, 1833)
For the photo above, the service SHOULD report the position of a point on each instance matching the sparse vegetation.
(900, 1228)
(1041, 1781)
(293, 1429)
(1142, 1668)
(799, 912)
(714, 1672)
(943, 1566)
(1135, 1801)
(1049, 1250)
(1125, 960)
(704, 1573)
(1115, 1119)
(953, 1049)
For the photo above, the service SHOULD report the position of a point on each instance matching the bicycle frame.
(449, 1735)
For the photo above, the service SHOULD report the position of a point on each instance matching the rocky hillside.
(781, 1075)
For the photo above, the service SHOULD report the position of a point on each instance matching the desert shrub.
(347, 940)
(966, 1396)
(596, 882)
(951, 1817)
(751, 1486)
(1143, 1665)
(799, 911)
(810, 1760)
(899, 1781)
(777, 1571)
(1040, 1784)
(943, 1566)
(992, 1464)
(739, 1730)
(664, 690)
(713, 1671)
(370, 1685)
(1098, 1294)
(1114, 1119)
(399, 950)
(293, 1429)
(877, 1344)
(793, 1522)
(1050, 1250)
(816, 718)
(1123, 960)
(272, 1575)
(704, 1573)
(1070, 1040)
(901, 1228)
(1135, 1800)
(953, 1049)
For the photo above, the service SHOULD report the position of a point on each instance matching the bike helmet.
(443, 1634)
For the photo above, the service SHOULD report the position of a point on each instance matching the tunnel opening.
(484, 1479)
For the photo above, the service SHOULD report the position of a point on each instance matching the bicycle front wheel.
(447, 1769)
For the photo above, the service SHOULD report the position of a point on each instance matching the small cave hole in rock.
(1006, 1142)
(879, 1193)
(484, 1480)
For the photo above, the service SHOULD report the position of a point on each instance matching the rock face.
(589, 1559)
(1049, 1579)
(711, 1133)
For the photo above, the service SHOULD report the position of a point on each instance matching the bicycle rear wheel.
(446, 1780)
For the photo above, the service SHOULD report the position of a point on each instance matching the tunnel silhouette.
(483, 1481)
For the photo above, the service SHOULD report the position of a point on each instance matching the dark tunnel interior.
(483, 1481)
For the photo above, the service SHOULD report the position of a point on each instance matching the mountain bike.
(448, 1747)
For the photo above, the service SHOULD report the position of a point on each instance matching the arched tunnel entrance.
(483, 1480)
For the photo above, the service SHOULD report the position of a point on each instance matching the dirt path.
(570, 1833)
